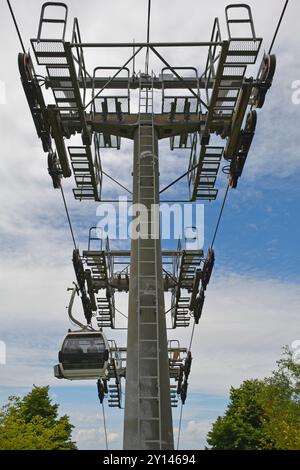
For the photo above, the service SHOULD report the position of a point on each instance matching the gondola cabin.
(84, 355)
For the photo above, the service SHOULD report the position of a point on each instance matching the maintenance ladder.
(185, 270)
(148, 311)
(100, 274)
(87, 172)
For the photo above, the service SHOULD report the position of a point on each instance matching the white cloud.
(197, 428)
(93, 438)
(196, 432)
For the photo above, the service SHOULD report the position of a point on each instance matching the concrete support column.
(148, 414)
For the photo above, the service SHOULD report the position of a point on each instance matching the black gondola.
(84, 355)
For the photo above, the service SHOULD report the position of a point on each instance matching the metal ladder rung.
(151, 377)
(150, 419)
(53, 20)
(67, 108)
(148, 358)
(230, 87)
(233, 78)
(76, 156)
(148, 398)
(224, 108)
(238, 53)
(227, 99)
(53, 55)
(80, 169)
(151, 441)
(148, 340)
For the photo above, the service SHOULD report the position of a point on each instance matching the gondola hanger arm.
(75, 291)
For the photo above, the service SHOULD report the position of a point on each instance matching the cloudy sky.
(252, 306)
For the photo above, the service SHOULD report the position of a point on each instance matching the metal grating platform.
(202, 179)
(87, 172)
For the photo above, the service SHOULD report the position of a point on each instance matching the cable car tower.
(197, 101)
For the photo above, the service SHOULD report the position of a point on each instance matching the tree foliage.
(32, 423)
(262, 414)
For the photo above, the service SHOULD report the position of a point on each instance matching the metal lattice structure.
(217, 98)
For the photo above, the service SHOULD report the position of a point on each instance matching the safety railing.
(93, 238)
(239, 20)
(79, 58)
(52, 20)
(187, 103)
(212, 58)
(193, 161)
(111, 103)
(97, 163)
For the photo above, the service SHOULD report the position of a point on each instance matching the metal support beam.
(158, 83)
(146, 44)
(164, 126)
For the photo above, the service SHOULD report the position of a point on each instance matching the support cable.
(16, 25)
(181, 409)
(220, 217)
(179, 427)
(179, 178)
(148, 38)
(105, 430)
(68, 216)
(192, 337)
(278, 26)
(121, 313)
(115, 181)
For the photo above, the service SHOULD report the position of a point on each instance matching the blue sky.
(252, 305)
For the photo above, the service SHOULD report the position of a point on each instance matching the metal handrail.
(110, 267)
(97, 163)
(94, 238)
(52, 20)
(212, 57)
(82, 72)
(195, 237)
(242, 20)
(109, 78)
(193, 160)
(197, 81)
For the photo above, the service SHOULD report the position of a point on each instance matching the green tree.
(262, 414)
(282, 404)
(32, 423)
(241, 427)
